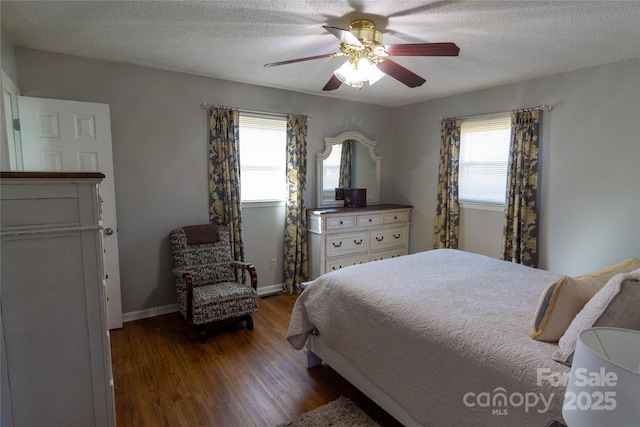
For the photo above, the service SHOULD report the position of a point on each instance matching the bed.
(436, 338)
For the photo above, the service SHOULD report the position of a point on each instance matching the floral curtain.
(295, 235)
(520, 235)
(346, 156)
(448, 210)
(224, 177)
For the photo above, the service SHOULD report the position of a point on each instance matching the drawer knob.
(397, 236)
(336, 245)
(357, 242)
(380, 239)
(370, 220)
(341, 222)
(395, 217)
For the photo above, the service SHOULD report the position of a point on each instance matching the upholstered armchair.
(208, 293)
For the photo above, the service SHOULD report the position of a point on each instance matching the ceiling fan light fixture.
(348, 74)
(355, 72)
(380, 51)
(373, 73)
(369, 58)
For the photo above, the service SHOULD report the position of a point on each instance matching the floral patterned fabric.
(295, 235)
(448, 210)
(217, 302)
(216, 294)
(346, 155)
(520, 235)
(224, 177)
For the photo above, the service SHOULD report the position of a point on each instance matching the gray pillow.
(616, 305)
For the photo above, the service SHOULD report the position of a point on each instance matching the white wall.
(159, 137)
(8, 57)
(589, 173)
(590, 148)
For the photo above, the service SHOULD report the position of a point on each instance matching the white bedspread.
(444, 333)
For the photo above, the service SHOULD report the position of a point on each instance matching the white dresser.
(340, 237)
(56, 356)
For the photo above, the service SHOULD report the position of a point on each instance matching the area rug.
(341, 412)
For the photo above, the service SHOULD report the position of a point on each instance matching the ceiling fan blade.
(423, 49)
(308, 58)
(400, 73)
(332, 84)
(345, 36)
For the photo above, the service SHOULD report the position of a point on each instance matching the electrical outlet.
(273, 263)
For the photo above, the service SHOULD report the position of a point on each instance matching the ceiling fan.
(369, 57)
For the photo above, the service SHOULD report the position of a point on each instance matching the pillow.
(616, 305)
(565, 297)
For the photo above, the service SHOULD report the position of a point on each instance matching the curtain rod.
(520, 110)
(207, 106)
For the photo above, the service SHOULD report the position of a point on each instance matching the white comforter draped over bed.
(445, 333)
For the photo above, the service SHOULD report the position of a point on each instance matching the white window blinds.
(484, 153)
(262, 158)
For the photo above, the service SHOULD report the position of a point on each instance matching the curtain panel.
(448, 209)
(345, 164)
(520, 232)
(295, 235)
(224, 177)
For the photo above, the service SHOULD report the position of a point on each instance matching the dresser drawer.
(388, 237)
(40, 206)
(386, 254)
(340, 237)
(342, 262)
(347, 243)
(369, 220)
(395, 218)
(340, 222)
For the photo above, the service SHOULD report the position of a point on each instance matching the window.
(484, 154)
(331, 172)
(263, 142)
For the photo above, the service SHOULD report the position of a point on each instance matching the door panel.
(71, 136)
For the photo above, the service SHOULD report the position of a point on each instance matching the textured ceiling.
(500, 41)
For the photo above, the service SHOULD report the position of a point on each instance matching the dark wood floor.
(165, 377)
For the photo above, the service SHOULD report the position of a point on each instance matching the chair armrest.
(186, 279)
(253, 275)
(179, 272)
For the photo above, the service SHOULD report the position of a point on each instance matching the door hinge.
(16, 124)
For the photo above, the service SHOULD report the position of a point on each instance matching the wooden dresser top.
(343, 210)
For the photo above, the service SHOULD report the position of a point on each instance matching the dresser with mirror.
(340, 236)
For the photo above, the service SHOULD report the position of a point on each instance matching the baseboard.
(149, 312)
(268, 290)
(171, 308)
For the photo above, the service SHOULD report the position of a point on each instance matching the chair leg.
(203, 335)
(249, 320)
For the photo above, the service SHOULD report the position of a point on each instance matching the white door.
(71, 136)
